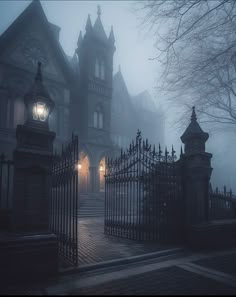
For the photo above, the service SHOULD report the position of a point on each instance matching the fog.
(134, 48)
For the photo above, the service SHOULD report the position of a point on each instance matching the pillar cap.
(194, 130)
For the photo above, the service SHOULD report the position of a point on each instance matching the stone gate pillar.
(30, 250)
(196, 173)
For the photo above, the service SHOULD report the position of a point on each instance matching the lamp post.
(38, 103)
(31, 241)
(33, 161)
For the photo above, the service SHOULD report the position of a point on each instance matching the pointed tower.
(94, 83)
(88, 26)
(111, 36)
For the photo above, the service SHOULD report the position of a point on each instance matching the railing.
(6, 182)
(143, 198)
(222, 204)
(6, 189)
(64, 201)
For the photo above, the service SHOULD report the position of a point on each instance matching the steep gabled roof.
(144, 101)
(35, 10)
(119, 83)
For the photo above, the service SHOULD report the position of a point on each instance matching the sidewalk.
(183, 275)
(187, 274)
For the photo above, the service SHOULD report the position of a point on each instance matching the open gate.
(143, 199)
(64, 201)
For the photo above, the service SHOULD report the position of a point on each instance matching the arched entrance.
(101, 175)
(84, 177)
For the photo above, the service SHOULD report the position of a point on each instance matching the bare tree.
(196, 45)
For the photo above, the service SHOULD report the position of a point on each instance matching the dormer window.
(100, 68)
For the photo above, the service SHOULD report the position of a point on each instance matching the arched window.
(95, 119)
(100, 68)
(19, 112)
(97, 68)
(98, 119)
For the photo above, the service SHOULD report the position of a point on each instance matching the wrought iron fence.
(64, 201)
(6, 189)
(222, 204)
(143, 198)
(6, 182)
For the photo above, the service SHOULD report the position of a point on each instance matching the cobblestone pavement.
(95, 246)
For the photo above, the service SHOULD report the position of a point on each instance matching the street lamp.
(38, 103)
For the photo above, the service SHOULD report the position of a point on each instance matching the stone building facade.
(89, 101)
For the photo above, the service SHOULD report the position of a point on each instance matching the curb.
(128, 260)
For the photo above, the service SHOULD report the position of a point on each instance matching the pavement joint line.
(124, 266)
(85, 282)
(210, 273)
(125, 260)
(213, 271)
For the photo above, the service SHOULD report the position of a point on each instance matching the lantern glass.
(40, 112)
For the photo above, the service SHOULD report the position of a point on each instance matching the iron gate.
(143, 199)
(64, 201)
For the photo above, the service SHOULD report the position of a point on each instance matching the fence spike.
(166, 152)
(181, 151)
(225, 189)
(173, 151)
(160, 151)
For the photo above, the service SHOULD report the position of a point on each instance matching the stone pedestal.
(32, 180)
(26, 257)
(196, 174)
(212, 235)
